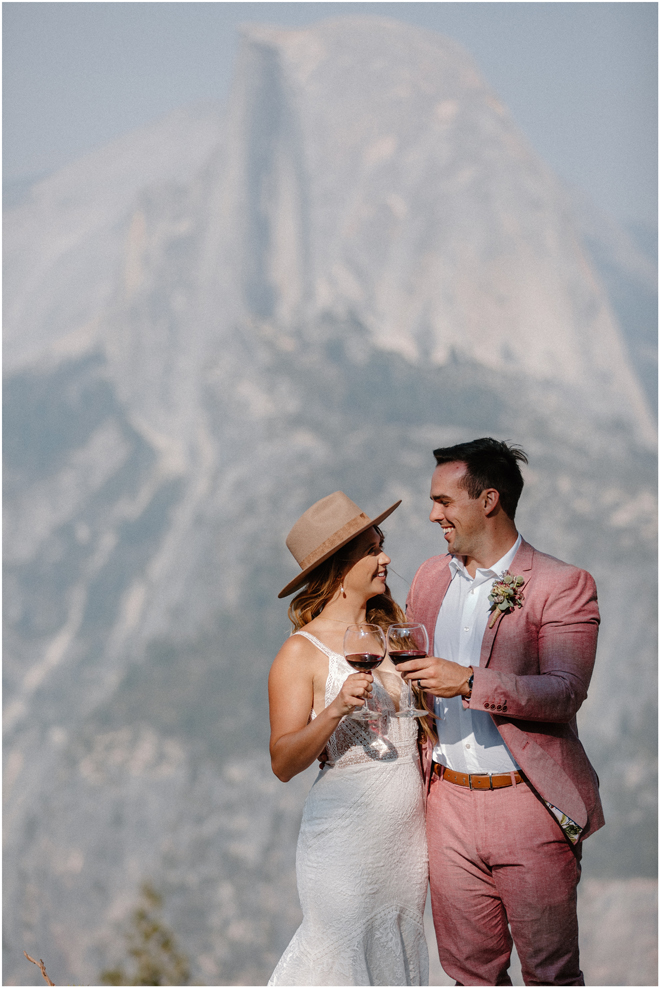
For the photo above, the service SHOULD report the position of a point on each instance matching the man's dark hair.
(489, 464)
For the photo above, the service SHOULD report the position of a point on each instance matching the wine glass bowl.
(405, 642)
(364, 650)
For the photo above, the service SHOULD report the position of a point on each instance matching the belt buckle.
(470, 781)
(490, 780)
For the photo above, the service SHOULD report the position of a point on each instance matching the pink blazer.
(536, 664)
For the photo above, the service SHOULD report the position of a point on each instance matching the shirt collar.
(496, 570)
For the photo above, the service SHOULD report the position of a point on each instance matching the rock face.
(210, 324)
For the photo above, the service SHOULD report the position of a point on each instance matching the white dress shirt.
(468, 740)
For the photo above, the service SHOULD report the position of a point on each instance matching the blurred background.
(246, 266)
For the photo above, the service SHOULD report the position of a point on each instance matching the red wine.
(364, 661)
(404, 656)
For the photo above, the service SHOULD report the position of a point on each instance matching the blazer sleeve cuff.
(493, 700)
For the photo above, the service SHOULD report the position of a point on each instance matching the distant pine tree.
(151, 947)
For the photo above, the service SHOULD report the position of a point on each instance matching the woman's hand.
(353, 693)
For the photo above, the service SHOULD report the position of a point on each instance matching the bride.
(361, 861)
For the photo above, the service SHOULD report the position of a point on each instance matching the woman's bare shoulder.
(297, 652)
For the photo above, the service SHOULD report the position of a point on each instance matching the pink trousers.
(498, 859)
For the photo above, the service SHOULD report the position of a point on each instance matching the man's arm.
(566, 653)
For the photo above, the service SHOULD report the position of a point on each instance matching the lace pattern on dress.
(353, 741)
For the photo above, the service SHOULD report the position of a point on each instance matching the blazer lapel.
(439, 595)
(430, 617)
(522, 563)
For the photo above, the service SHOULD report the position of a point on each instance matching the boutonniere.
(505, 595)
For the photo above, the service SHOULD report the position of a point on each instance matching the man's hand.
(438, 676)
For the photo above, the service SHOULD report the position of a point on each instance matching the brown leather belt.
(477, 781)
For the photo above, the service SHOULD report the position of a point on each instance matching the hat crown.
(326, 521)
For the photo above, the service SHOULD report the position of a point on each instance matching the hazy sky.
(579, 78)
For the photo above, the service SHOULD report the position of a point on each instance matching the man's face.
(463, 520)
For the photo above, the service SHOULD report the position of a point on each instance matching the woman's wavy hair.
(321, 586)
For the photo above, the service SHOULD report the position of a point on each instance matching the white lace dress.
(361, 861)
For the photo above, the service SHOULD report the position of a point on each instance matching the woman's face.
(367, 574)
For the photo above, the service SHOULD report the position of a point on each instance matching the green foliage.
(150, 945)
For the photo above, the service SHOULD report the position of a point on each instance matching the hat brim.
(300, 579)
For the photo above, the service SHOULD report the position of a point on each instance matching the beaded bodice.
(354, 741)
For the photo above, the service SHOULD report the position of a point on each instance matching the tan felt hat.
(322, 529)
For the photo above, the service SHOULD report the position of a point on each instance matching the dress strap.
(324, 648)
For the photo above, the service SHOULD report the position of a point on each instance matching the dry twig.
(40, 964)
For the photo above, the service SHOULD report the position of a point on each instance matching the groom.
(511, 793)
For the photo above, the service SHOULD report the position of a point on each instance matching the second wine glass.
(364, 649)
(405, 642)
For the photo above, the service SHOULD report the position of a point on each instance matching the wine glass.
(405, 642)
(364, 648)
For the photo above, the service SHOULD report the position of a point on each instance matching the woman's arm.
(295, 741)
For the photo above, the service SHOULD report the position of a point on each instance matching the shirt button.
(467, 745)
(466, 629)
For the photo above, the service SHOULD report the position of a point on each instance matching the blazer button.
(499, 706)
(504, 709)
